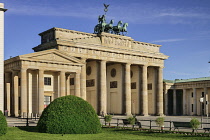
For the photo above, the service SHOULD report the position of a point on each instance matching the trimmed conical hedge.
(3, 124)
(69, 115)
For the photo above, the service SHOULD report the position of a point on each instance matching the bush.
(194, 124)
(3, 124)
(131, 120)
(108, 118)
(160, 121)
(69, 115)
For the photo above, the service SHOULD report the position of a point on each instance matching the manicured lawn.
(15, 133)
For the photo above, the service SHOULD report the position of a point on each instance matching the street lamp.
(201, 101)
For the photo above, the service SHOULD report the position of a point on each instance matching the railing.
(148, 124)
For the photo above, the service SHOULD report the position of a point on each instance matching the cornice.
(148, 44)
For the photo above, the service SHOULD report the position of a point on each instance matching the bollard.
(32, 116)
(170, 125)
(150, 124)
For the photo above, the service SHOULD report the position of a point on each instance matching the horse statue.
(108, 27)
(124, 28)
(101, 24)
(116, 29)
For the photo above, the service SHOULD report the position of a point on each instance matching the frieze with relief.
(112, 54)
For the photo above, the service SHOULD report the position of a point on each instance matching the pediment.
(51, 56)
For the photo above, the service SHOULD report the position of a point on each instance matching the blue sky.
(182, 27)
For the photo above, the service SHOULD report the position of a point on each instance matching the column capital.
(83, 60)
(145, 66)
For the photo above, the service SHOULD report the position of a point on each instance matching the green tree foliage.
(160, 121)
(194, 124)
(69, 115)
(3, 124)
(131, 120)
(108, 118)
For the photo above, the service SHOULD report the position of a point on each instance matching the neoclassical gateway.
(114, 73)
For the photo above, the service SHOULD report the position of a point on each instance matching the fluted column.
(23, 91)
(77, 85)
(83, 80)
(15, 93)
(62, 84)
(103, 86)
(160, 92)
(41, 91)
(144, 91)
(174, 101)
(128, 89)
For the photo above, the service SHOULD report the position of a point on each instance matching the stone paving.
(12, 121)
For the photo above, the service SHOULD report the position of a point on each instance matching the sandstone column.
(174, 101)
(41, 91)
(195, 101)
(128, 89)
(184, 102)
(83, 80)
(68, 85)
(7, 92)
(23, 92)
(103, 87)
(144, 91)
(15, 93)
(166, 101)
(62, 83)
(160, 92)
(77, 85)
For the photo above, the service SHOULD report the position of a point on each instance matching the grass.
(30, 133)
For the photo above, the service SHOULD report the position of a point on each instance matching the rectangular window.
(47, 81)
(133, 85)
(202, 94)
(71, 81)
(192, 107)
(149, 86)
(113, 84)
(192, 94)
(47, 100)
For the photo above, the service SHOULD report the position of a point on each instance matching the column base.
(161, 115)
